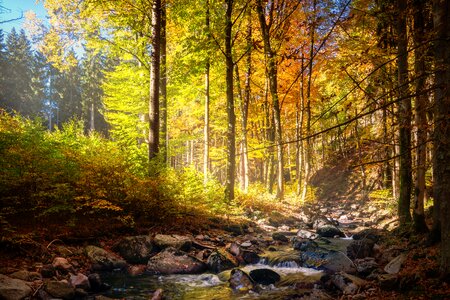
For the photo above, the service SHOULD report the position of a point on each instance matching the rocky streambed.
(315, 262)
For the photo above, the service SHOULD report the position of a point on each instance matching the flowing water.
(211, 286)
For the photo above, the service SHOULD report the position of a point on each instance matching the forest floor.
(339, 204)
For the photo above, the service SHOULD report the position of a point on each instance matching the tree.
(404, 116)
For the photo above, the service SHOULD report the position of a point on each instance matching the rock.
(360, 248)
(329, 231)
(369, 233)
(393, 267)
(246, 244)
(48, 271)
(240, 281)
(136, 270)
(173, 261)
(339, 262)
(234, 249)
(163, 241)
(264, 276)
(157, 295)
(62, 264)
(26, 275)
(303, 244)
(13, 289)
(365, 266)
(96, 283)
(80, 281)
(305, 234)
(388, 281)
(320, 222)
(103, 260)
(60, 289)
(346, 286)
(221, 260)
(277, 236)
(250, 257)
(135, 249)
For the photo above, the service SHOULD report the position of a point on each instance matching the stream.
(209, 286)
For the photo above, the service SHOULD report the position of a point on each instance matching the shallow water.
(208, 286)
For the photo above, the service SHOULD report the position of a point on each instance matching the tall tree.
(206, 130)
(404, 116)
(441, 155)
(163, 87)
(420, 115)
(153, 112)
(272, 73)
(231, 117)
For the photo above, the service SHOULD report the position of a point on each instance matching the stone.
(163, 241)
(368, 233)
(303, 244)
(346, 286)
(60, 289)
(388, 282)
(174, 261)
(48, 271)
(96, 283)
(250, 257)
(103, 260)
(26, 275)
(13, 289)
(305, 234)
(277, 236)
(240, 281)
(235, 249)
(80, 281)
(365, 266)
(264, 276)
(135, 249)
(393, 267)
(360, 248)
(221, 260)
(136, 270)
(339, 262)
(246, 244)
(62, 264)
(329, 231)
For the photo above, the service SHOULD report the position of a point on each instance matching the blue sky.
(16, 7)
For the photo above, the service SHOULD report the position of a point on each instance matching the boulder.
(135, 249)
(62, 264)
(365, 266)
(277, 236)
(221, 260)
(339, 262)
(13, 289)
(240, 281)
(347, 283)
(96, 283)
(163, 241)
(360, 248)
(329, 231)
(80, 281)
(303, 244)
(305, 234)
(369, 233)
(26, 275)
(264, 276)
(103, 260)
(250, 257)
(174, 261)
(60, 289)
(393, 267)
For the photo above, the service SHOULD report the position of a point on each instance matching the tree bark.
(153, 136)
(207, 100)
(270, 55)
(420, 118)
(231, 129)
(163, 87)
(441, 159)
(404, 118)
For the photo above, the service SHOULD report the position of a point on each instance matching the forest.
(277, 149)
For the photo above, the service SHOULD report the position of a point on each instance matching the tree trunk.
(231, 131)
(153, 135)
(441, 160)
(207, 100)
(270, 55)
(420, 118)
(163, 87)
(307, 156)
(404, 118)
